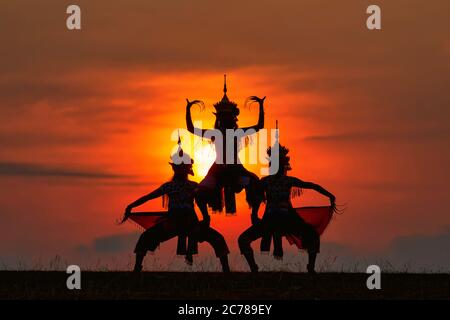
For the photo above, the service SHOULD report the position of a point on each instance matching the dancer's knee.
(148, 241)
(244, 244)
(218, 243)
(220, 246)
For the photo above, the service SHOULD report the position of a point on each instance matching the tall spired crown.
(180, 158)
(279, 150)
(226, 105)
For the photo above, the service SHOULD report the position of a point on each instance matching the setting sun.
(204, 156)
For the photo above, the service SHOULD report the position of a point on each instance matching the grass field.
(205, 285)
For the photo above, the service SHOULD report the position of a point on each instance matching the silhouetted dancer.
(280, 218)
(227, 175)
(180, 220)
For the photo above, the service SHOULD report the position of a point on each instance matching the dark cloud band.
(36, 170)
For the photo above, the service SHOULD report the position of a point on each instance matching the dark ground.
(181, 286)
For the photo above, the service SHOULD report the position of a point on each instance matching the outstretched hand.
(126, 215)
(333, 203)
(257, 99)
(191, 103)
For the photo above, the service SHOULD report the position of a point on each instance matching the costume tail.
(317, 217)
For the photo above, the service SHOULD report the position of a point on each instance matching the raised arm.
(190, 126)
(310, 185)
(152, 195)
(260, 124)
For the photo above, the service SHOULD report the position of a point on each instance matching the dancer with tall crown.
(180, 220)
(281, 218)
(225, 178)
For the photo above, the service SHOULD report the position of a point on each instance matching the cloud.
(422, 251)
(19, 92)
(174, 35)
(14, 140)
(112, 244)
(115, 243)
(412, 253)
(384, 136)
(36, 170)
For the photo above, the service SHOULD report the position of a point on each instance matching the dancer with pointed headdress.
(281, 218)
(180, 220)
(227, 176)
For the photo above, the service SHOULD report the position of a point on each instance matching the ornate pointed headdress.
(283, 152)
(181, 160)
(226, 105)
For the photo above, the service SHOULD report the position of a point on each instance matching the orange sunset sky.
(86, 116)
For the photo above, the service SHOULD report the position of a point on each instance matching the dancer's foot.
(225, 264)
(251, 262)
(189, 260)
(138, 263)
(311, 270)
(254, 268)
(311, 262)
